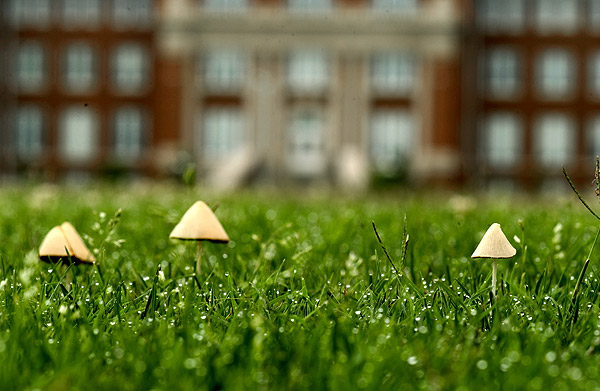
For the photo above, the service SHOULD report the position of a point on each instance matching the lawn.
(302, 298)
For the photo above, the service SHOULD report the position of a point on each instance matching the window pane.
(131, 13)
(81, 13)
(80, 68)
(29, 13)
(503, 140)
(393, 73)
(310, 5)
(225, 5)
(129, 133)
(594, 74)
(502, 73)
(594, 15)
(408, 7)
(224, 70)
(130, 68)
(308, 71)
(29, 132)
(506, 16)
(30, 67)
(557, 16)
(78, 135)
(391, 140)
(594, 136)
(555, 74)
(554, 139)
(223, 133)
(306, 143)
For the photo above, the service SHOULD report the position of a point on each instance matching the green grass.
(303, 298)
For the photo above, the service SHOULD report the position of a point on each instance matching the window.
(29, 13)
(128, 14)
(129, 133)
(391, 139)
(225, 5)
(308, 71)
(555, 74)
(594, 74)
(81, 13)
(29, 132)
(594, 15)
(593, 136)
(130, 65)
(79, 68)
(556, 16)
(506, 16)
(502, 140)
(78, 135)
(408, 7)
(224, 70)
(502, 73)
(393, 73)
(554, 139)
(30, 67)
(310, 5)
(223, 132)
(306, 144)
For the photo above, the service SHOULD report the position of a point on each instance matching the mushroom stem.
(494, 273)
(198, 256)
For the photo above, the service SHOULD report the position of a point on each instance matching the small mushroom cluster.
(199, 223)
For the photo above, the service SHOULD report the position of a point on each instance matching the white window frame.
(130, 132)
(80, 68)
(594, 16)
(224, 70)
(593, 136)
(221, 133)
(393, 73)
(131, 14)
(557, 16)
(310, 6)
(306, 143)
(84, 14)
(130, 68)
(554, 139)
(29, 13)
(405, 7)
(502, 73)
(555, 74)
(594, 74)
(308, 71)
(30, 67)
(502, 138)
(501, 16)
(78, 135)
(392, 139)
(29, 132)
(226, 5)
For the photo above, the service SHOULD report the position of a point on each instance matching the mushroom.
(63, 242)
(199, 223)
(494, 245)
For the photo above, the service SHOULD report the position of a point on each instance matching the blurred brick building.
(336, 91)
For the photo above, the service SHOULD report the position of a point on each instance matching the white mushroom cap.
(200, 223)
(494, 245)
(64, 241)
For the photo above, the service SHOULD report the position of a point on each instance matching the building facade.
(83, 80)
(326, 90)
(536, 106)
(484, 92)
